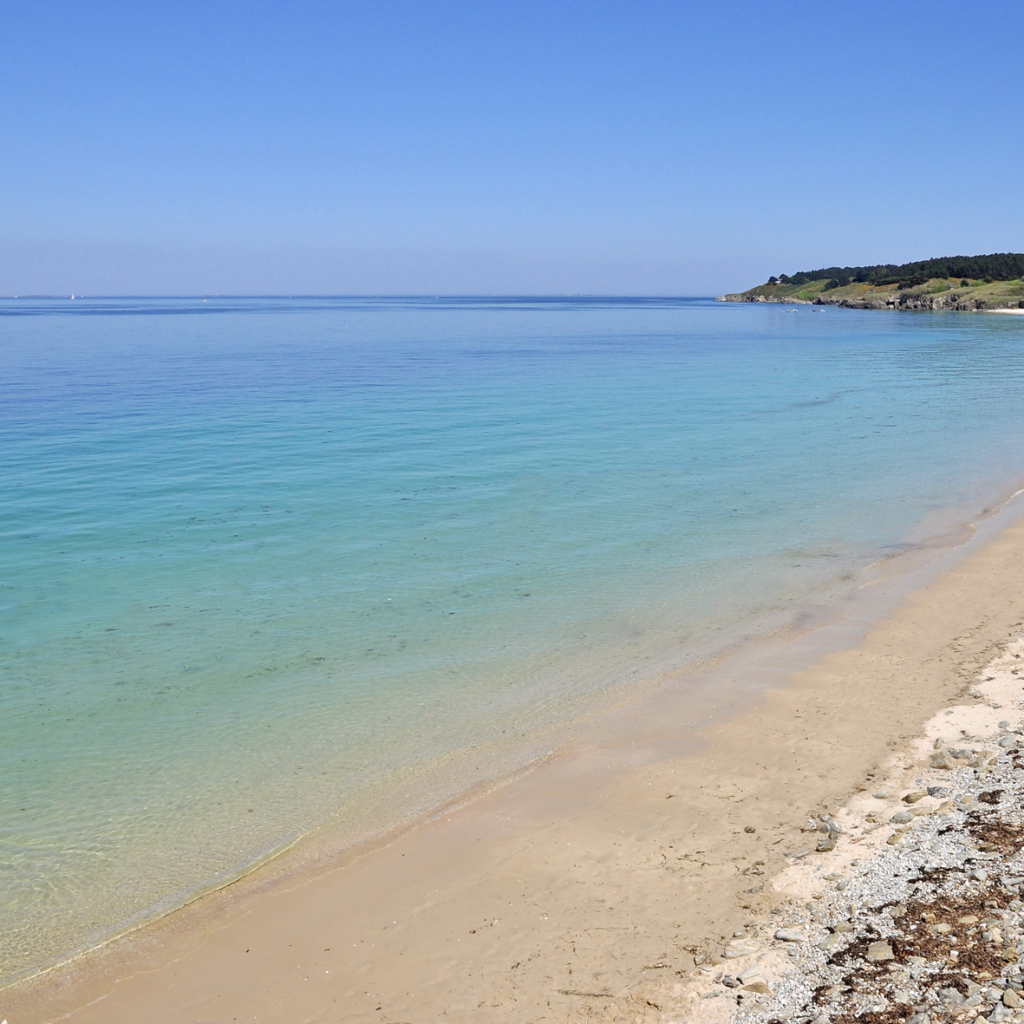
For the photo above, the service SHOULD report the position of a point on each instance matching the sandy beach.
(607, 882)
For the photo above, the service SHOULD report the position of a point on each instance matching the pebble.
(941, 861)
(879, 951)
(738, 949)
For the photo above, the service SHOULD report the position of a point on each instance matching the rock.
(940, 759)
(749, 974)
(759, 987)
(845, 927)
(998, 1015)
(749, 829)
(979, 875)
(879, 951)
(940, 792)
(919, 1018)
(737, 949)
(831, 942)
(789, 935)
(912, 798)
(730, 982)
(1007, 741)
(896, 837)
(827, 845)
(901, 818)
(950, 996)
(1012, 999)
(882, 794)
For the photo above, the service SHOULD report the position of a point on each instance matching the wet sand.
(573, 892)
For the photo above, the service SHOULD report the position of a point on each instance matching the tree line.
(1000, 266)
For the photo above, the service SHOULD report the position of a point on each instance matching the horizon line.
(363, 295)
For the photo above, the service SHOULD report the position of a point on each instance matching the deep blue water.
(277, 565)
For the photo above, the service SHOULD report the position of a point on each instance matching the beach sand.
(588, 888)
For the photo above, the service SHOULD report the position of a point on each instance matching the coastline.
(911, 302)
(519, 899)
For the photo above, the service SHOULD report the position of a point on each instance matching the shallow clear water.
(275, 565)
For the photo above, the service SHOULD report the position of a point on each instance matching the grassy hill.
(968, 283)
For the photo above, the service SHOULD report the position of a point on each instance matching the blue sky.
(540, 148)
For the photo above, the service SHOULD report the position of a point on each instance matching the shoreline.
(750, 657)
(641, 746)
(908, 307)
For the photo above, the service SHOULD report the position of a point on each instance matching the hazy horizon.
(423, 148)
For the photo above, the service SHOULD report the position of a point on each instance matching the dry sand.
(584, 890)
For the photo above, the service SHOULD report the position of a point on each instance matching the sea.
(279, 568)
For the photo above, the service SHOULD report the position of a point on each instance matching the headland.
(970, 284)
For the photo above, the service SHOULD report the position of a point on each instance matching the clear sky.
(407, 146)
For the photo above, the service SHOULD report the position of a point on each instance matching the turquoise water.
(270, 566)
